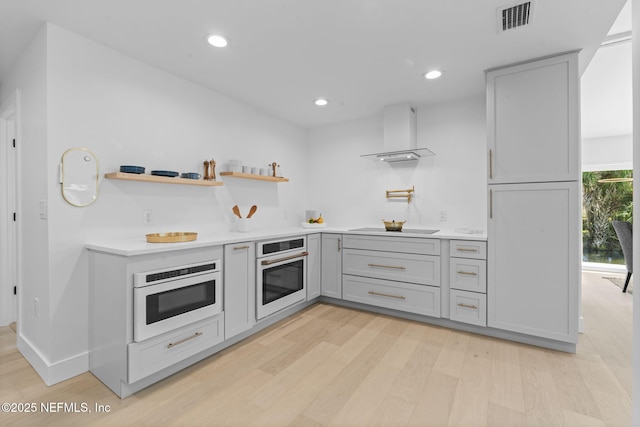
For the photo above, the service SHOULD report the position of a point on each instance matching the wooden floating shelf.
(253, 176)
(161, 179)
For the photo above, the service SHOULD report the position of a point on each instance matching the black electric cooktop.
(404, 230)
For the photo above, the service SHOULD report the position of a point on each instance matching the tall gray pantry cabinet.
(533, 262)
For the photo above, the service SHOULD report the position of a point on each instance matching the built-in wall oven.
(281, 274)
(164, 300)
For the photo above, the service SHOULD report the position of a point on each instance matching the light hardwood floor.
(332, 366)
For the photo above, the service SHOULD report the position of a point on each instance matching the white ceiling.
(361, 54)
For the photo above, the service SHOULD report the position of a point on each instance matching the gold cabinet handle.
(386, 295)
(467, 250)
(491, 204)
(475, 307)
(239, 248)
(387, 266)
(490, 164)
(173, 344)
(468, 273)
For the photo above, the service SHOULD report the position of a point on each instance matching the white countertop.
(139, 246)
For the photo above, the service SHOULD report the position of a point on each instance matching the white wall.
(607, 153)
(81, 94)
(350, 190)
(605, 93)
(29, 75)
(127, 112)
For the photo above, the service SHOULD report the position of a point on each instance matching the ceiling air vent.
(515, 16)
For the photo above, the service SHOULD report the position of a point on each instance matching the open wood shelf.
(253, 176)
(162, 179)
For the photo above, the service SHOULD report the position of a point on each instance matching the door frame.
(9, 195)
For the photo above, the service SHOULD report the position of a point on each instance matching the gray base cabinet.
(468, 282)
(114, 357)
(407, 297)
(156, 354)
(392, 272)
(239, 288)
(314, 265)
(331, 275)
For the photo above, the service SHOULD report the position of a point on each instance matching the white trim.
(608, 167)
(608, 268)
(9, 113)
(52, 373)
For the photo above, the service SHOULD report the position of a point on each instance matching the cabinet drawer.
(411, 268)
(410, 245)
(468, 274)
(468, 307)
(398, 296)
(155, 354)
(468, 249)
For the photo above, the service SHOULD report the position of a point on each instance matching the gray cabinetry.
(120, 363)
(468, 282)
(239, 287)
(314, 265)
(533, 121)
(331, 275)
(400, 273)
(534, 198)
(534, 259)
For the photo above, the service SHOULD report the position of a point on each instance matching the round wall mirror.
(79, 177)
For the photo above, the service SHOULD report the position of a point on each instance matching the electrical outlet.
(443, 214)
(42, 209)
(146, 218)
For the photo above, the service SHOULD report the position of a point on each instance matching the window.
(606, 196)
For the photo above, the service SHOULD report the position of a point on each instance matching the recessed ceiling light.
(321, 102)
(217, 40)
(433, 74)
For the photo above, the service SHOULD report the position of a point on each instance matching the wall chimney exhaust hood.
(400, 135)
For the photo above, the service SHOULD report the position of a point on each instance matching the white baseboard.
(609, 268)
(52, 373)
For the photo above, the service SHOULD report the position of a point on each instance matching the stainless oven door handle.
(273, 261)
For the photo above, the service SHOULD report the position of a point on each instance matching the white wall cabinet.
(533, 121)
(331, 276)
(314, 265)
(534, 259)
(239, 288)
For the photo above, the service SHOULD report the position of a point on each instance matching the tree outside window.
(603, 202)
